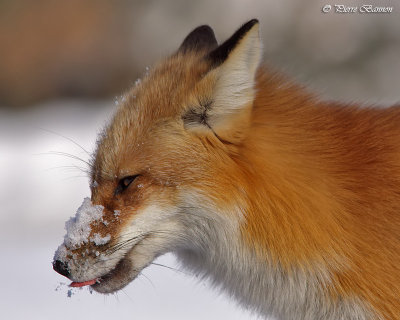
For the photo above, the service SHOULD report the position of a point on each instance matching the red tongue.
(82, 284)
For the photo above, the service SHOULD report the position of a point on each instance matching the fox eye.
(124, 183)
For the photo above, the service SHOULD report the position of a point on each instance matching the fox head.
(165, 176)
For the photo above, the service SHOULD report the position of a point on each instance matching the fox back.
(288, 203)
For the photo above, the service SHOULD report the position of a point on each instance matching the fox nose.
(61, 268)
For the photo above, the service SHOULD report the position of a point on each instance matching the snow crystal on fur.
(99, 240)
(78, 227)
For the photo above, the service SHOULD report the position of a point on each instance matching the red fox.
(289, 203)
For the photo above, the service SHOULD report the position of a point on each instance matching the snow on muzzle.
(79, 238)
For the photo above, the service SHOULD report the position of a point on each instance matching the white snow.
(61, 253)
(117, 213)
(120, 99)
(78, 227)
(99, 240)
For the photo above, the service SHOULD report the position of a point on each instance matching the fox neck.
(262, 285)
(271, 258)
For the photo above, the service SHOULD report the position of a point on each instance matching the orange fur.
(315, 185)
(320, 181)
(326, 182)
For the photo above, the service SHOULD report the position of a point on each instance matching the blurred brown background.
(97, 48)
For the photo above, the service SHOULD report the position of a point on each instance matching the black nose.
(61, 268)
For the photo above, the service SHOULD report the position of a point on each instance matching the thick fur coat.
(289, 203)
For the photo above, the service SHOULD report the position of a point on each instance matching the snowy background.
(61, 64)
(38, 192)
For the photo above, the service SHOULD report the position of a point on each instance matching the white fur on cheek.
(153, 231)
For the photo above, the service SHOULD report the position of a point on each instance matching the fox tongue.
(82, 284)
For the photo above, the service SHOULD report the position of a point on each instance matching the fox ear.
(201, 38)
(234, 64)
(249, 31)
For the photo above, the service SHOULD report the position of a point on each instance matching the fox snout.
(61, 268)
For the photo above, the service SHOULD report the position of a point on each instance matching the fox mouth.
(117, 278)
(112, 281)
(120, 276)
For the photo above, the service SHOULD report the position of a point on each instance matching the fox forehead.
(161, 97)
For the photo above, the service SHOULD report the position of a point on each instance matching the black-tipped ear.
(220, 54)
(227, 110)
(202, 38)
